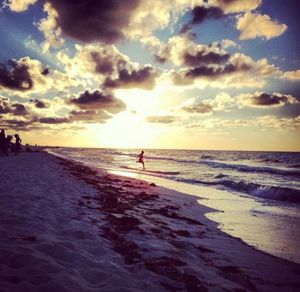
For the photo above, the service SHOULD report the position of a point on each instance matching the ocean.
(258, 193)
(266, 175)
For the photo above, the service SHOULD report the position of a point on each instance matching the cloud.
(222, 102)
(98, 100)
(292, 75)
(210, 65)
(200, 14)
(105, 64)
(7, 107)
(16, 124)
(137, 78)
(214, 72)
(15, 75)
(89, 116)
(93, 61)
(27, 76)
(32, 107)
(110, 21)
(161, 119)
(239, 71)
(216, 9)
(20, 5)
(32, 114)
(49, 27)
(94, 21)
(261, 99)
(54, 120)
(153, 15)
(202, 58)
(278, 122)
(236, 6)
(199, 107)
(18, 109)
(107, 21)
(39, 103)
(253, 25)
(262, 122)
(183, 51)
(94, 107)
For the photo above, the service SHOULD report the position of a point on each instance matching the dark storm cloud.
(15, 76)
(98, 100)
(161, 119)
(94, 20)
(200, 14)
(204, 57)
(140, 78)
(265, 100)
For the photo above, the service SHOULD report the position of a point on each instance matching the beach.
(65, 226)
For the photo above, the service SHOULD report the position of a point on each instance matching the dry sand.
(67, 227)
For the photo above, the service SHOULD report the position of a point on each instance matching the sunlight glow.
(127, 130)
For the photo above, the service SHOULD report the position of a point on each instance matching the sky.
(183, 74)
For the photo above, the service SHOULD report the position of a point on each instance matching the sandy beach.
(67, 227)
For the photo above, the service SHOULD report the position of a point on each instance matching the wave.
(208, 157)
(249, 168)
(296, 165)
(153, 171)
(209, 161)
(223, 180)
(262, 191)
(268, 159)
(265, 191)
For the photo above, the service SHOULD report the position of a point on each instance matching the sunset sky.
(187, 74)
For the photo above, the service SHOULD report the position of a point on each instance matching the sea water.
(257, 192)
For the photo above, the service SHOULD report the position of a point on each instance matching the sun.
(127, 130)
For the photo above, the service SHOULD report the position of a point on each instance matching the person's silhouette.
(17, 144)
(140, 158)
(8, 144)
(2, 142)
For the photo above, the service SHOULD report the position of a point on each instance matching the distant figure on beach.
(17, 144)
(27, 148)
(2, 142)
(8, 144)
(140, 158)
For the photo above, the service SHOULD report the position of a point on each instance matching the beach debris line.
(129, 209)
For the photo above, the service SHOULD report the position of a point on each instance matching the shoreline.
(264, 226)
(159, 234)
(243, 217)
(203, 208)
